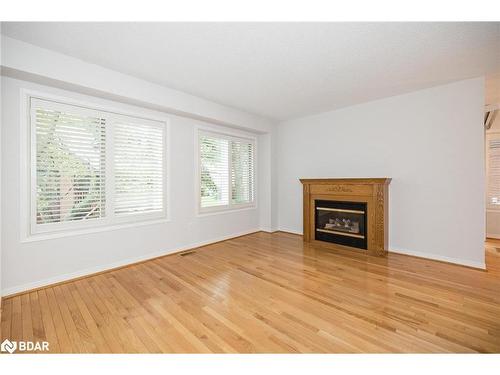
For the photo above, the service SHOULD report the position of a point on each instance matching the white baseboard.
(293, 231)
(269, 230)
(462, 262)
(89, 271)
(493, 235)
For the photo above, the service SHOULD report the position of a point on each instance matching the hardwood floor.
(268, 293)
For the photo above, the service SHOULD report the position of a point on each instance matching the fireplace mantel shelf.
(371, 191)
(363, 181)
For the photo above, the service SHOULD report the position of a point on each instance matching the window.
(93, 168)
(493, 170)
(226, 172)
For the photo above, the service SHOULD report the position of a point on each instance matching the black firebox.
(343, 223)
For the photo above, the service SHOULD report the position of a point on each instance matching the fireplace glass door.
(343, 223)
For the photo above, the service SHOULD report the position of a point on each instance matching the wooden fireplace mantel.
(372, 191)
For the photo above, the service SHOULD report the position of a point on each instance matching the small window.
(226, 168)
(94, 168)
(493, 171)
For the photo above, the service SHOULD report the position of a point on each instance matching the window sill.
(79, 232)
(225, 210)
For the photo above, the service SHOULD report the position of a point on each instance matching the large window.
(93, 168)
(493, 170)
(226, 171)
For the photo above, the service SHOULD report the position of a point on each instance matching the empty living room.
(249, 187)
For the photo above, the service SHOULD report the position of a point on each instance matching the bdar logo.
(8, 346)
(24, 346)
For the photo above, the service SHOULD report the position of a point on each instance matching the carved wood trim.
(306, 203)
(379, 222)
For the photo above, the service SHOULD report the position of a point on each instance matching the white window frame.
(490, 135)
(229, 135)
(30, 230)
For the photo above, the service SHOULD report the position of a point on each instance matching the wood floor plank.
(26, 317)
(63, 338)
(77, 341)
(17, 322)
(114, 314)
(268, 293)
(48, 323)
(74, 321)
(95, 334)
(6, 319)
(36, 318)
(102, 323)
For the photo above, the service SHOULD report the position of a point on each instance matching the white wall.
(27, 265)
(431, 142)
(1, 127)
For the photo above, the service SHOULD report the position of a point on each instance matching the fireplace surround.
(347, 212)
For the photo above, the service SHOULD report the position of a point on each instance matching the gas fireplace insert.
(340, 222)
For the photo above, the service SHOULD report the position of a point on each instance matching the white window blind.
(70, 164)
(226, 171)
(214, 158)
(94, 168)
(242, 172)
(493, 163)
(138, 168)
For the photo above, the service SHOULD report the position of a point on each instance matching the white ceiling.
(279, 70)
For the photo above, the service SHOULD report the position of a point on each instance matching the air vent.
(187, 253)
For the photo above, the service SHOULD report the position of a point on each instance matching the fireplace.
(350, 213)
(339, 222)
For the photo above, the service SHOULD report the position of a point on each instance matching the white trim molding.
(458, 261)
(292, 231)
